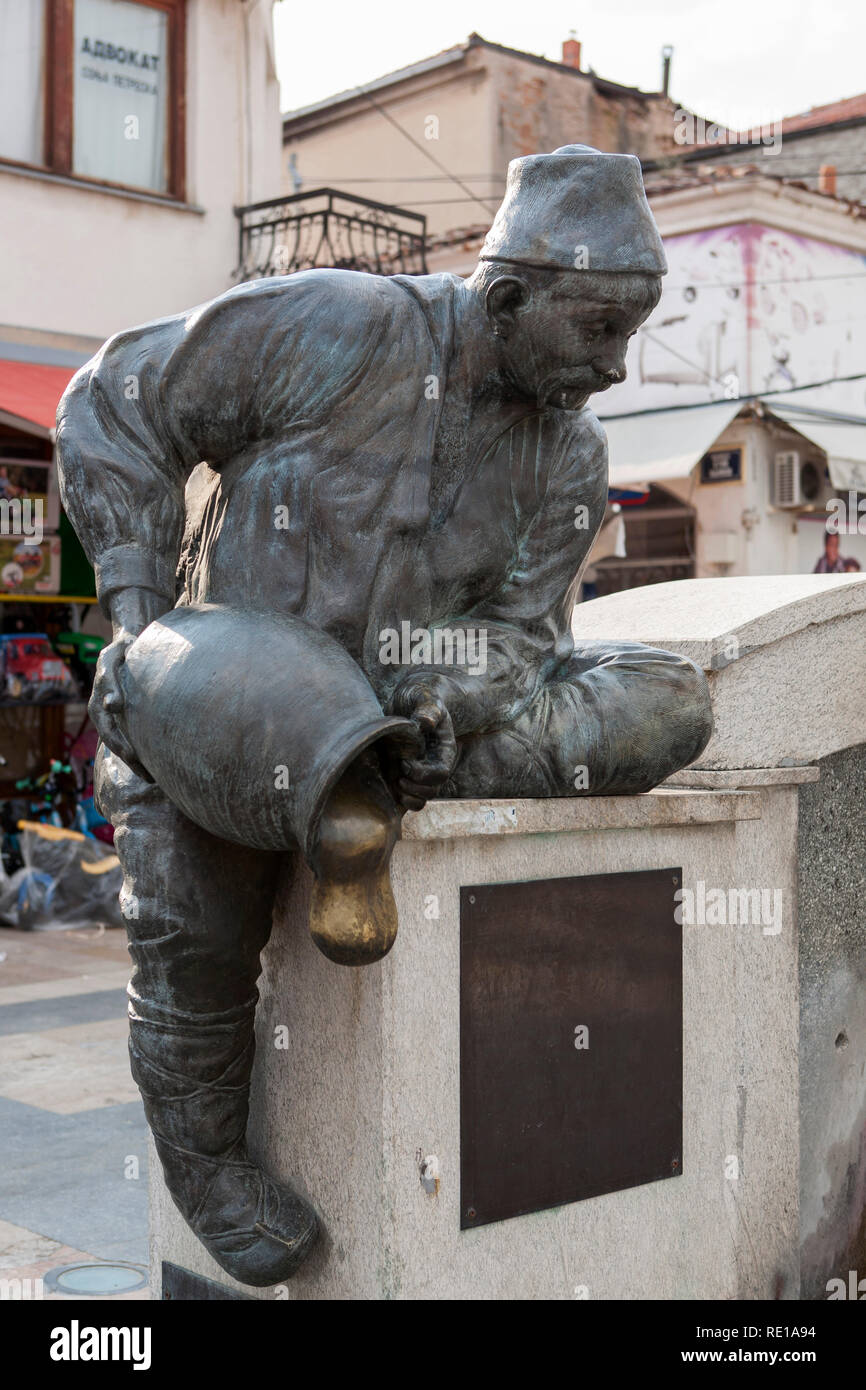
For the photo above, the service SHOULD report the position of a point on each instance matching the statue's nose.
(612, 374)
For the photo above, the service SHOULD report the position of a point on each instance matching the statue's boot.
(194, 1079)
(353, 916)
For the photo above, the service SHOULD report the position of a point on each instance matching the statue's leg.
(198, 911)
(617, 718)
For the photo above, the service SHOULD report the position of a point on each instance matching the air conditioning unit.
(797, 482)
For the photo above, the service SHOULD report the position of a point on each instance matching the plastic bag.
(68, 879)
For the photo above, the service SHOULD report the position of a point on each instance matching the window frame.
(59, 98)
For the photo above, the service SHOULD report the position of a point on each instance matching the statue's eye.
(595, 326)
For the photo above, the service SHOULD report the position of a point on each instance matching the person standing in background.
(831, 562)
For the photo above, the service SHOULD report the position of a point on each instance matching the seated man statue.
(373, 458)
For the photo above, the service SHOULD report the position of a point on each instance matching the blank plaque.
(570, 1040)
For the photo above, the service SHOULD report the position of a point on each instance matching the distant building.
(437, 137)
(738, 434)
(823, 148)
(736, 425)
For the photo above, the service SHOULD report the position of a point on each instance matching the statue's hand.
(420, 778)
(106, 702)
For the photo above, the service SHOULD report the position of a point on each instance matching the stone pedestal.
(363, 1103)
(357, 1087)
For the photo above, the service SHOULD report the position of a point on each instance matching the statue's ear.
(505, 299)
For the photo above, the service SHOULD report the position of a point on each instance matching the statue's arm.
(122, 473)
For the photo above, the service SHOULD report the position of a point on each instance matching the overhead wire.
(428, 154)
(749, 396)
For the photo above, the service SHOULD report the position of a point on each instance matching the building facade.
(129, 131)
(741, 429)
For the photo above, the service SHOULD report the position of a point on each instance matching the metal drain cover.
(95, 1280)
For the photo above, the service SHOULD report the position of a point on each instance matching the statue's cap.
(576, 209)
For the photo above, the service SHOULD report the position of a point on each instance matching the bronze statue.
(347, 515)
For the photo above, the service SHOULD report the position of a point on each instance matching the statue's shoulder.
(338, 293)
(332, 319)
(338, 321)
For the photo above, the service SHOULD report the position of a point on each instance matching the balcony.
(328, 228)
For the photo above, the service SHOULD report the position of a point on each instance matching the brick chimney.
(827, 179)
(571, 52)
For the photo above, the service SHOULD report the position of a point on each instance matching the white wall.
(771, 308)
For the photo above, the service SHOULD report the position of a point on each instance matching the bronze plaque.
(570, 1040)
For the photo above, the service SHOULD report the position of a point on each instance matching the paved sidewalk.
(73, 1152)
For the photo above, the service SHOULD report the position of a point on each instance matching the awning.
(821, 416)
(30, 394)
(657, 445)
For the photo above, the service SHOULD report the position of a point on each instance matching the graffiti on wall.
(747, 309)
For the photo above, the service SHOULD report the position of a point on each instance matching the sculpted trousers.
(199, 908)
(618, 718)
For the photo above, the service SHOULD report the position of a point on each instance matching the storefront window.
(121, 93)
(22, 63)
(93, 89)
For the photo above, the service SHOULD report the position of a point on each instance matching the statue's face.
(564, 336)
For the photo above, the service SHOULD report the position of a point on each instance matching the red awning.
(31, 392)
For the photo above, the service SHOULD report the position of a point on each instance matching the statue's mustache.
(583, 380)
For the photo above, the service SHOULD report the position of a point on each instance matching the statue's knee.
(694, 706)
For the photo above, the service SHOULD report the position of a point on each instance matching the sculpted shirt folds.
(275, 449)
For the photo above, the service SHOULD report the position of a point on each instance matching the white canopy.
(824, 416)
(661, 444)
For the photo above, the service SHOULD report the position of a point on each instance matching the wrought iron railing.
(328, 228)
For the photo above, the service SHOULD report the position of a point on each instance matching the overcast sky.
(738, 62)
